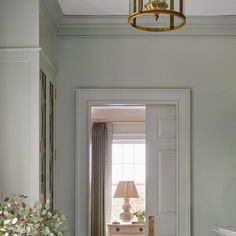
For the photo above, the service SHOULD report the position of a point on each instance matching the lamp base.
(126, 216)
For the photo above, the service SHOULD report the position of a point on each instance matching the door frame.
(88, 97)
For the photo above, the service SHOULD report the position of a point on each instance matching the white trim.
(128, 136)
(29, 57)
(226, 231)
(85, 98)
(117, 26)
(129, 141)
(33, 49)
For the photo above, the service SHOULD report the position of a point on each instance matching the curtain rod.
(118, 121)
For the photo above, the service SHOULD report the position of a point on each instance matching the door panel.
(167, 182)
(161, 166)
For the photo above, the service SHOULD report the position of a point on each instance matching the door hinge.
(55, 93)
(55, 156)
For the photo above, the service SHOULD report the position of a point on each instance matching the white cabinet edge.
(226, 231)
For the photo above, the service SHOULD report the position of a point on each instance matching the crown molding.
(46, 62)
(117, 26)
(54, 10)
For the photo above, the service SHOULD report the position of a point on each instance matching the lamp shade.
(126, 189)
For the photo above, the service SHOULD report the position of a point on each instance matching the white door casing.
(177, 98)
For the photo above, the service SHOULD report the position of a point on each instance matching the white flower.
(14, 221)
(44, 212)
(28, 229)
(7, 221)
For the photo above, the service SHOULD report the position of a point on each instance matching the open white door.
(162, 171)
(161, 178)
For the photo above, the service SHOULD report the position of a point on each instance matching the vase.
(140, 218)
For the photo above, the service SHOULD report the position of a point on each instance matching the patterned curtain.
(101, 191)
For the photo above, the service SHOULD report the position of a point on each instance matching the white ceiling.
(120, 7)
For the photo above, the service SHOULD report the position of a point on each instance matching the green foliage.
(139, 213)
(17, 218)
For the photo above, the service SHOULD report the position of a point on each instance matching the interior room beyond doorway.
(127, 153)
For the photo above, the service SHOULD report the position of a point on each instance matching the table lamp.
(126, 190)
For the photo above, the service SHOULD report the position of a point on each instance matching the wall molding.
(45, 62)
(54, 10)
(28, 61)
(15, 49)
(117, 26)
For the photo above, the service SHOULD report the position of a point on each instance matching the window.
(128, 163)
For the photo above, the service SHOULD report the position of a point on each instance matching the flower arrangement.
(17, 218)
(140, 214)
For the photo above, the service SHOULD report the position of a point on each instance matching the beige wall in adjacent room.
(207, 65)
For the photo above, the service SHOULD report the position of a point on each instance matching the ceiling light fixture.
(156, 15)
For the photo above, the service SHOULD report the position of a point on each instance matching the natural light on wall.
(128, 163)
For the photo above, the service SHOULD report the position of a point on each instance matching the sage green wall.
(47, 34)
(19, 23)
(207, 65)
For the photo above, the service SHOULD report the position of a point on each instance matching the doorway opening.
(167, 162)
(127, 159)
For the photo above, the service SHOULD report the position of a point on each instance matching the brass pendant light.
(156, 15)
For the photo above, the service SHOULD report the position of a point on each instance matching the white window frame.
(129, 141)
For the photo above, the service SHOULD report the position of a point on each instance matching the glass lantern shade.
(156, 15)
